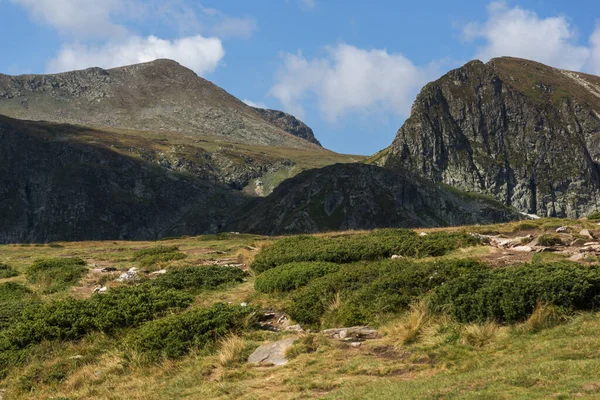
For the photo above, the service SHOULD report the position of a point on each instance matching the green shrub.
(175, 335)
(370, 289)
(6, 271)
(289, 277)
(71, 319)
(157, 254)
(200, 278)
(549, 240)
(594, 216)
(351, 248)
(56, 274)
(14, 298)
(511, 294)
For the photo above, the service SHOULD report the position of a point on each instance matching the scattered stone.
(591, 244)
(244, 304)
(356, 333)
(108, 269)
(523, 249)
(272, 353)
(294, 328)
(562, 229)
(577, 257)
(101, 289)
(423, 234)
(589, 249)
(542, 249)
(356, 344)
(76, 357)
(396, 257)
(159, 272)
(130, 276)
(586, 233)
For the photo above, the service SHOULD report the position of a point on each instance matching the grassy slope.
(561, 362)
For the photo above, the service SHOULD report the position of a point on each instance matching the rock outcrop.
(360, 196)
(289, 123)
(53, 186)
(522, 132)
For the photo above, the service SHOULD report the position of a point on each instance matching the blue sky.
(349, 69)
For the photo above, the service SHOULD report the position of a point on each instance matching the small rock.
(591, 244)
(244, 304)
(562, 229)
(396, 257)
(159, 272)
(356, 333)
(586, 233)
(356, 344)
(294, 328)
(523, 249)
(423, 234)
(577, 257)
(130, 276)
(76, 357)
(108, 269)
(272, 353)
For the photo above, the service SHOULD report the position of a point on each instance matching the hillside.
(156, 96)
(358, 196)
(522, 132)
(184, 322)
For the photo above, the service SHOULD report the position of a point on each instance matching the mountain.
(155, 96)
(56, 185)
(360, 196)
(522, 132)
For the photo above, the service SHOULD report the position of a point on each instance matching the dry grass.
(231, 350)
(409, 328)
(543, 317)
(480, 335)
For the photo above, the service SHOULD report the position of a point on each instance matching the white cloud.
(195, 52)
(308, 3)
(234, 27)
(255, 104)
(522, 33)
(594, 63)
(350, 79)
(80, 17)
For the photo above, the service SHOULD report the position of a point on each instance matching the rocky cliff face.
(55, 187)
(359, 196)
(288, 123)
(522, 132)
(156, 96)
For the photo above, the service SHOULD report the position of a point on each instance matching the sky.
(349, 69)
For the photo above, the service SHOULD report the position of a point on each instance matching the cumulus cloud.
(349, 79)
(195, 52)
(81, 17)
(522, 33)
(255, 104)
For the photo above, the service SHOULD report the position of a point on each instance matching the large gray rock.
(522, 132)
(272, 353)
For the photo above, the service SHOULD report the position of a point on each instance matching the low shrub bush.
(56, 274)
(594, 216)
(351, 248)
(289, 277)
(157, 254)
(6, 271)
(371, 289)
(175, 335)
(511, 294)
(71, 319)
(14, 298)
(200, 278)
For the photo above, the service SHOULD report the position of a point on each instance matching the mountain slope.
(156, 96)
(288, 123)
(56, 186)
(522, 132)
(359, 196)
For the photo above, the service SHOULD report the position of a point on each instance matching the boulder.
(355, 333)
(130, 276)
(272, 353)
